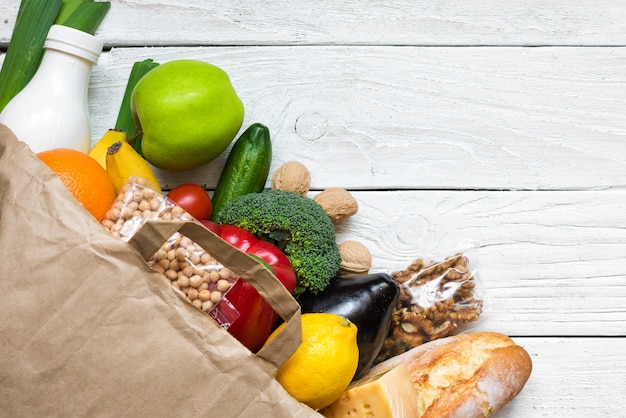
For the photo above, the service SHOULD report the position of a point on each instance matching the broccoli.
(297, 225)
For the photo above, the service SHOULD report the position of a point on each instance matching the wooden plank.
(405, 22)
(417, 118)
(552, 263)
(572, 377)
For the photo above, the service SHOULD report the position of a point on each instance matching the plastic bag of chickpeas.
(187, 266)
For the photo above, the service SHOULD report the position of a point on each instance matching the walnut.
(338, 203)
(292, 177)
(435, 297)
(356, 259)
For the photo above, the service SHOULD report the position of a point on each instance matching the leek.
(67, 8)
(125, 120)
(33, 22)
(84, 15)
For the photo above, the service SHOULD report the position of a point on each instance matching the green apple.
(188, 112)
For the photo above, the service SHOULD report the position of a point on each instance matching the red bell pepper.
(256, 317)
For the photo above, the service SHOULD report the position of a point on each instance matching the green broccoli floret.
(297, 225)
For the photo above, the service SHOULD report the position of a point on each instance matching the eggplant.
(368, 301)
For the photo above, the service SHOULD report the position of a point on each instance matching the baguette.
(465, 376)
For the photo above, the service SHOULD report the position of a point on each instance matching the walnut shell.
(292, 177)
(338, 203)
(356, 259)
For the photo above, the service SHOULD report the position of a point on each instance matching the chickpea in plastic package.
(188, 267)
(437, 299)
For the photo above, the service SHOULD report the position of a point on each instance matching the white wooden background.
(499, 123)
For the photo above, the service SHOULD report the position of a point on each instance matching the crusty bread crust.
(465, 376)
(489, 371)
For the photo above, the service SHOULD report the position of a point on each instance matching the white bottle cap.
(74, 41)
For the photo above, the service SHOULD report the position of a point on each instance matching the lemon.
(324, 364)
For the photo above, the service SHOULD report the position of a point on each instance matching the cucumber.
(246, 169)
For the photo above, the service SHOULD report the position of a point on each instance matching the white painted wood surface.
(500, 124)
(398, 22)
(426, 118)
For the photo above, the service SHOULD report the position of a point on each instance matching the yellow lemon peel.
(324, 364)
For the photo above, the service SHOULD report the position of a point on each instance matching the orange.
(84, 177)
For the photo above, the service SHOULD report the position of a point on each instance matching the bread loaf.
(465, 376)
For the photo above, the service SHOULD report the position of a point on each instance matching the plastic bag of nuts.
(189, 268)
(436, 299)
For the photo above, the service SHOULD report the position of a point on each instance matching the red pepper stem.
(260, 260)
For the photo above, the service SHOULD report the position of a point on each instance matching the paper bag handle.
(154, 233)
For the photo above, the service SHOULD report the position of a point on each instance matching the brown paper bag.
(89, 329)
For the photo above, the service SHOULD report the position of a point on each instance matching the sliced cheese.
(387, 394)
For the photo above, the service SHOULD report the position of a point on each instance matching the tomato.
(194, 199)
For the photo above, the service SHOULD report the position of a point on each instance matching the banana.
(99, 151)
(123, 163)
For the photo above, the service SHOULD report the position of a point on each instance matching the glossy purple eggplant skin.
(367, 301)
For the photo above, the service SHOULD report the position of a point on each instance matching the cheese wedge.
(469, 375)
